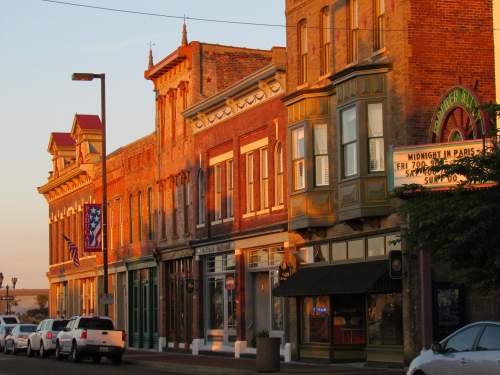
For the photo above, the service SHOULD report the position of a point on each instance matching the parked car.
(18, 338)
(43, 340)
(93, 337)
(9, 319)
(4, 332)
(473, 349)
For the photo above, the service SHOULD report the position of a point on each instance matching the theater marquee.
(406, 161)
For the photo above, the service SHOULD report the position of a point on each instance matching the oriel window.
(349, 142)
(376, 137)
(321, 155)
(298, 153)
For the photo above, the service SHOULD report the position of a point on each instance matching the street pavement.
(22, 365)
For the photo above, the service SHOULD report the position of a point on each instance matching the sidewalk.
(179, 363)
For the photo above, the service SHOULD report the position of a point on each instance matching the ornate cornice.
(72, 180)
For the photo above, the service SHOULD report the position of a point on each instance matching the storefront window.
(216, 303)
(348, 321)
(339, 251)
(221, 263)
(266, 257)
(315, 318)
(385, 325)
(376, 247)
(276, 305)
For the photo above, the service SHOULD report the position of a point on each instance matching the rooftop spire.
(150, 61)
(184, 34)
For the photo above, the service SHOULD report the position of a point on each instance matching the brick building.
(240, 195)
(363, 75)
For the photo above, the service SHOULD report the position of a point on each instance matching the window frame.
(382, 137)
(250, 183)
(355, 142)
(264, 177)
(379, 11)
(353, 31)
(317, 156)
(131, 217)
(296, 160)
(201, 198)
(217, 192)
(302, 49)
(139, 215)
(229, 188)
(325, 41)
(279, 175)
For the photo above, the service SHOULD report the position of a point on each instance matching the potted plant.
(268, 352)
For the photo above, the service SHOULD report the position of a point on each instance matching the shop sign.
(230, 282)
(286, 268)
(405, 163)
(214, 249)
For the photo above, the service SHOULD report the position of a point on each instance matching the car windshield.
(28, 329)
(8, 330)
(95, 323)
(59, 325)
(10, 320)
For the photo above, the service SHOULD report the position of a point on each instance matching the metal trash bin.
(268, 354)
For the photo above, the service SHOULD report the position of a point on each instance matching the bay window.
(321, 155)
(298, 153)
(376, 137)
(349, 142)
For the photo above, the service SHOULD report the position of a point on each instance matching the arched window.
(302, 49)
(279, 175)
(201, 198)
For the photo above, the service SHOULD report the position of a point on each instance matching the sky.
(41, 45)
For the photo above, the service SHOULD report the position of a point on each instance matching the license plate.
(104, 349)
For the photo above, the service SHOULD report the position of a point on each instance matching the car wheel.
(75, 356)
(116, 360)
(42, 352)
(58, 352)
(96, 359)
(29, 351)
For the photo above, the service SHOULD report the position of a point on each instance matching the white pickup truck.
(93, 337)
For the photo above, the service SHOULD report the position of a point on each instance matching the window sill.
(264, 211)
(199, 226)
(325, 76)
(277, 208)
(216, 222)
(302, 86)
(379, 52)
(249, 214)
(228, 220)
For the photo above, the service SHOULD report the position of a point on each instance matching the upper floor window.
(175, 205)
(349, 142)
(150, 213)
(218, 192)
(230, 188)
(279, 178)
(379, 26)
(163, 206)
(353, 31)
(201, 198)
(302, 49)
(376, 137)
(264, 179)
(298, 153)
(325, 40)
(250, 182)
(139, 214)
(321, 155)
(131, 217)
(173, 111)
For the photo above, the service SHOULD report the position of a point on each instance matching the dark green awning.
(349, 278)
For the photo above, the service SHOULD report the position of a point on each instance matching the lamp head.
(84, 76)
(14, 282)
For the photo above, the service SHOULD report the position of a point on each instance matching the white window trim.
(263, 142)
(220, 158)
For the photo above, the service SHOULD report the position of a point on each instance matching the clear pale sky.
(41, 44)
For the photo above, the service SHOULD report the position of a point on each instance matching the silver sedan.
(18, 338)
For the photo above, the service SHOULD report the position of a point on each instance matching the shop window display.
(316, 317)
(385, 325)
(348, 321)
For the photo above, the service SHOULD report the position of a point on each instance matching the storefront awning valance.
(351, 278)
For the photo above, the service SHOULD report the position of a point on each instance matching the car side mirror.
(437, 348)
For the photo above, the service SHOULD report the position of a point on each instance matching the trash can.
(268, 354)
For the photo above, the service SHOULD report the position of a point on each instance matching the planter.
(268, 354)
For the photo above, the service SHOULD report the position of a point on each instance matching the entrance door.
(261, 301)
(221, 317)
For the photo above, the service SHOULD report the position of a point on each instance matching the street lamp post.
(7, 301)
(102, 77)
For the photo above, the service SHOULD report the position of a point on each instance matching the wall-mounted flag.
(73, 250)
(93, 227)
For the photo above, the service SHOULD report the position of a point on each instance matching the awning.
(350, 278)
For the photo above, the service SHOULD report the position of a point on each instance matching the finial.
(150, 62)
(184, 34)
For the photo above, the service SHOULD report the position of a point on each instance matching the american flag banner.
(73, 250)
(93, 227)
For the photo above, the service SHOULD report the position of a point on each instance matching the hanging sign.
(230, 282)
(92, 227)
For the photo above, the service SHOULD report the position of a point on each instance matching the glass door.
(216, 310)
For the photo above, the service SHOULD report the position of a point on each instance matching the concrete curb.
(176, 368)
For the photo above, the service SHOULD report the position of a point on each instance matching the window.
(163, 202)
(490, 339)
(278, 165)
(230, 189)
(120, 219)
(376, 246)
(139, 214)
(353, 29)
(325, 43)
(463, 341)
(175, 200)
(150, 214)
(201, 198)
(379, 24)
(218, 192)
(356, 249)
(321, 155)
(131, 218)
(264, 179)
(349, 144)
(250, 182)
(376, 137)
(302, 44)
(173, 111)
(339, 251)
(187, 200)
(316, 319)
(385, 319)
(298, 151)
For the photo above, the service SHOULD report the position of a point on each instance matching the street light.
(6, 298)
(102, 77)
